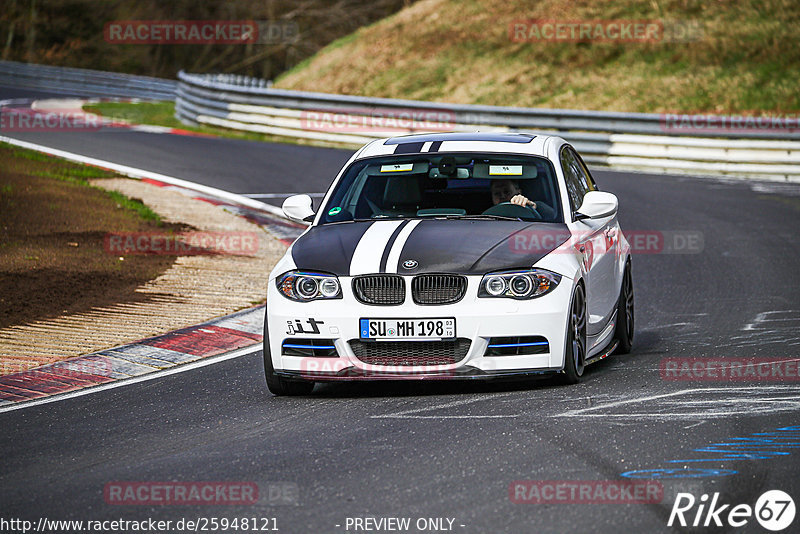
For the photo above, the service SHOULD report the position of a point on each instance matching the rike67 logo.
(774, 510)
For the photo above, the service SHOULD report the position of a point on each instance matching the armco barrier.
(84, 82)
(642, 141)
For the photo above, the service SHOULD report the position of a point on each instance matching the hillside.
(72, 33)
(747, 57)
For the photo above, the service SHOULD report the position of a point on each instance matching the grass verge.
(52, 230)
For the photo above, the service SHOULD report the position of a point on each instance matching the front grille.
(410, 353)
(517, 346)
(438, 288)
(380, 289)
(311, 347)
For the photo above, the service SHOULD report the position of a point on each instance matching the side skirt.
(612, 346)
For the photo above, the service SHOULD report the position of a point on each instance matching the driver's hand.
(521, 200)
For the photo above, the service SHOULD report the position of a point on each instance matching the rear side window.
(574, 178)
(577, 177)
(584, 174)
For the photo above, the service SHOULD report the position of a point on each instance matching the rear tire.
(625, 316)
(575, 349)
(277, 385)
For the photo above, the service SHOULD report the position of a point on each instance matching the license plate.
(434, 328)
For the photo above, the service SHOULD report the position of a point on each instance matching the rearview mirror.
(298, 208)
(597, 205)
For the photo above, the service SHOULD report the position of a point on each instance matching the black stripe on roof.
(420, 139)
(408, 148)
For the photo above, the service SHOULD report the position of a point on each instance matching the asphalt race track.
(452, 449)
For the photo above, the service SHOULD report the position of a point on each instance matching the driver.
(509, 191)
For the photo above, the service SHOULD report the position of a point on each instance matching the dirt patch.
(53, 223)
(167, 292)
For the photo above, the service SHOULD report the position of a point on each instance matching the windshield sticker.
(505, 170)
(397, 167)
(334, 211)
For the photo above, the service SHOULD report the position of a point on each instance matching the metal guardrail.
(642, 141)
(84, 82)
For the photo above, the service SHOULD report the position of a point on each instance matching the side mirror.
(298, 208)
(597, 205)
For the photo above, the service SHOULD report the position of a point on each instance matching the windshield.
(454, 185)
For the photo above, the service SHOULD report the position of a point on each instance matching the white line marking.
(510, 416)
(135, 380)
(673, 412)
(133, 172)
(410, 414)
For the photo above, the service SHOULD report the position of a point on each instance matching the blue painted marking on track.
(756, 446)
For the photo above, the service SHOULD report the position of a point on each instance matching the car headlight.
(518, 284)
(303, 286)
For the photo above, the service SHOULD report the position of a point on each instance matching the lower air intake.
(410, 353)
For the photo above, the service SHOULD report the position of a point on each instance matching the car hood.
(423, 246)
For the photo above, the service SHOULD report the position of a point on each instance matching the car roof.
(507, 142)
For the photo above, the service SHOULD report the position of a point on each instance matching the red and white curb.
(236, 331)
(73, 107)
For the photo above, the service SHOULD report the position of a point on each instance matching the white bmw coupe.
(458, 255)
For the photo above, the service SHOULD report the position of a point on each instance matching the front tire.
(277, 385)
(625, 316)
(575, 349)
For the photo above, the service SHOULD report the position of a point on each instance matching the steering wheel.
(509, 209)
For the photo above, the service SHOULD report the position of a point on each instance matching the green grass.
(79, 175)
(746, 60)
(160, 113)
(27, 154)
(136, 205)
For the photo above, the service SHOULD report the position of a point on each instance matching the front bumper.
(477, 320)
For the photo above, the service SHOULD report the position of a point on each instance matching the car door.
(595, 240)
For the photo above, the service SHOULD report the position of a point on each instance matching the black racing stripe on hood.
(478, 247)
(387, 249)
(408, 148)
(329, 247)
